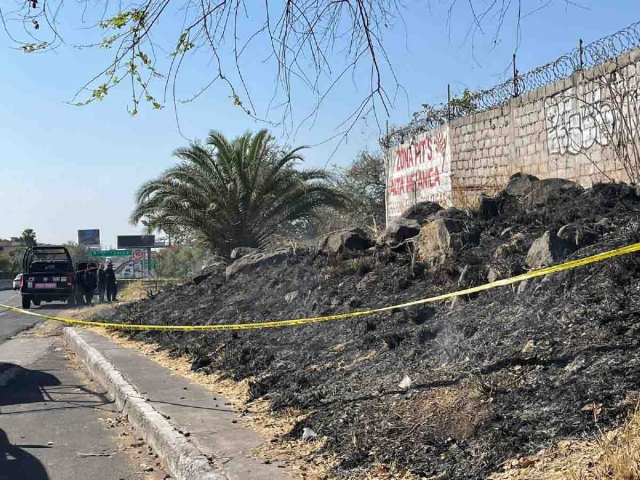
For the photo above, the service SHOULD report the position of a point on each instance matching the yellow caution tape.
(303, 321)
(150, 280)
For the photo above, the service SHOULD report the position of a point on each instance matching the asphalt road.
(55, 423)
(12, 323)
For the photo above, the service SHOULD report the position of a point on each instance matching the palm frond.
(234, 192)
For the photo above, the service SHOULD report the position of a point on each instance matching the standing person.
(102, 278)
(112, 287)
(90, 283)
(80, 269)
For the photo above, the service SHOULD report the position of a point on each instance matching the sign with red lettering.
(419, 171)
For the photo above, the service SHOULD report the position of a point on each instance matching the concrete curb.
(182, 459)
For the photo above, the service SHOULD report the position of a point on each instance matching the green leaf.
(120, 20)
(100, 92)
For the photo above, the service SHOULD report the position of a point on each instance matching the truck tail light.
(69, 280)
(21, 281)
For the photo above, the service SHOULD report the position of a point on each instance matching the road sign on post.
(136, 241)
(111, 253)
(137, 254)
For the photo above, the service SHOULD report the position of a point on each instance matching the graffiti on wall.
(578, 120)
(576, 123)
(419, 170)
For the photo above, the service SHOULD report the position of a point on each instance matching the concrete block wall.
(481, 149)
(548, 132)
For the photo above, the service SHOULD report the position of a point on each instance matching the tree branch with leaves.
(306, 46)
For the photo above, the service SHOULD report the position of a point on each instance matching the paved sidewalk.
(209, 418)
(57, 425)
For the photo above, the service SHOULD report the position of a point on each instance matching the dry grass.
(620, 453)
(385, 472)
(614, 455)
(559, 462)
(342, 365)
(136, 290)
(450, 411)
(48, 328)
(86, 312)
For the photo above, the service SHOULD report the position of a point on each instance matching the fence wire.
(582, 58)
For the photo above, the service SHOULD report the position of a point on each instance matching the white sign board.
(419, 171)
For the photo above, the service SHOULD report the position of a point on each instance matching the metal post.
(581, 55)
(449, 103)
(515, 77)
(386, 183)
(149, 276)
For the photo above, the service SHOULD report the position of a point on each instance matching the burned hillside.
(454, 388)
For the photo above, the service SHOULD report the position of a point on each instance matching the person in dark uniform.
(110, 282)
(102, 278)
(80, 269)
(90, 283)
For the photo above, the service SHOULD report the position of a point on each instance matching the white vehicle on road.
(16, 282)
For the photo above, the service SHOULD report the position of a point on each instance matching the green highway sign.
(111, 253)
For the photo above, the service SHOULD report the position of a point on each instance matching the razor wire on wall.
(584, 57)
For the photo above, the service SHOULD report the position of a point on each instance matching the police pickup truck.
(47, 275)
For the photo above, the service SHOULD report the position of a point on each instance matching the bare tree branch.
(311, 46)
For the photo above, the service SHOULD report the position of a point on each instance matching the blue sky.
(64, 168)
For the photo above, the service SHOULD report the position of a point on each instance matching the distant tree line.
(11, 260)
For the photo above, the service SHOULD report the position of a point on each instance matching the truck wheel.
(71, 300)
(26, 302)
(36, 302)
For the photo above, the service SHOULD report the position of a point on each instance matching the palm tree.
(234, 193)
(29, 237)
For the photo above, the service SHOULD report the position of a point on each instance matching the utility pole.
(449, 103)
(387, 147)
(516, 90)
(149, 276)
